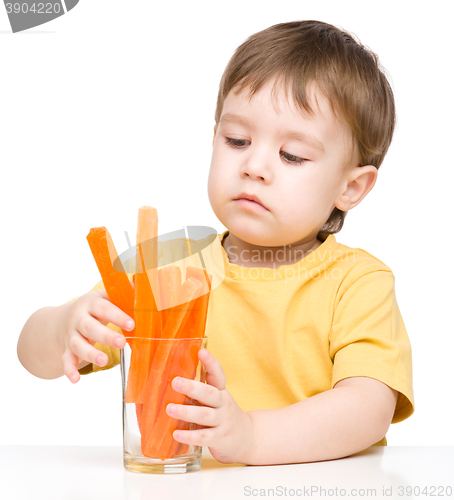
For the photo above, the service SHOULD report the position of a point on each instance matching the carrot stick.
(116, 282)
(141, 351)
(144, 301)
(147, 317)
(159, 372)
(169, 278)
(186, 360)
(170, 283)
(149, 247)
(179, 314)
(195, 327)
(163, 421)
(201, 275)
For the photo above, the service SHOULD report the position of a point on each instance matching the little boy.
(308, 358)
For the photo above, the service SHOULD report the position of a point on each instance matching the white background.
(111, 107)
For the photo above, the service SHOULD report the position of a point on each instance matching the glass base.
(177, 465)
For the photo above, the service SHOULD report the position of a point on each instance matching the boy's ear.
(359, 184)
(215, 130)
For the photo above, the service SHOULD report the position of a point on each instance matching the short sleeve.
(369, 339)
(113, 353)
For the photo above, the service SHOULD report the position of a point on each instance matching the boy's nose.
(255, 176)
(257, 168)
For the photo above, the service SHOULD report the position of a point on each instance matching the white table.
(85, 473)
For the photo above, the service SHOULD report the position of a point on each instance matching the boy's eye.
(295, 160)
(234, 141)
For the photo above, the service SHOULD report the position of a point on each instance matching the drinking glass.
(148, 367)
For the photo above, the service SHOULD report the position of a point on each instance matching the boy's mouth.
(251, 198)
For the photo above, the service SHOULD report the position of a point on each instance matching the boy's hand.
(83, 324)
(226, 429)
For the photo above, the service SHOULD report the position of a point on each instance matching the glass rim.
(169, 340)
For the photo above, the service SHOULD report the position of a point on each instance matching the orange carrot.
(140, 354)
(159, 372)
(170, 283)
(149, 249)
(163, 444)
(116, 282)
(194, 328)
(144, 301)
(163, 421)
(169, 278)
(148, 318)
(196, 324)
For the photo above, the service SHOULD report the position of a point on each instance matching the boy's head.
(310, 78)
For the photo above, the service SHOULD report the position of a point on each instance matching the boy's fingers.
(105, 311)
(70, 363)
(200, 415)
(80, 347)
(93, 330)
(200, 437)
(206, 394)
(215, 374)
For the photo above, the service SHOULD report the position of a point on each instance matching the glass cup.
(148, 367)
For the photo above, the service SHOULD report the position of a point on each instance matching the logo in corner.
(27, 14)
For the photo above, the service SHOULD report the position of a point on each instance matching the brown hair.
(345, 71)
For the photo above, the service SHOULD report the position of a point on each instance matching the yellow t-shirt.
(283, 335)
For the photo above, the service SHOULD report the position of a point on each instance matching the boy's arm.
(347, 419)
(336, 423)
(61, 340)
(38, 347)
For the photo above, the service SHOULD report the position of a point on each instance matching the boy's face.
(262, 159)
